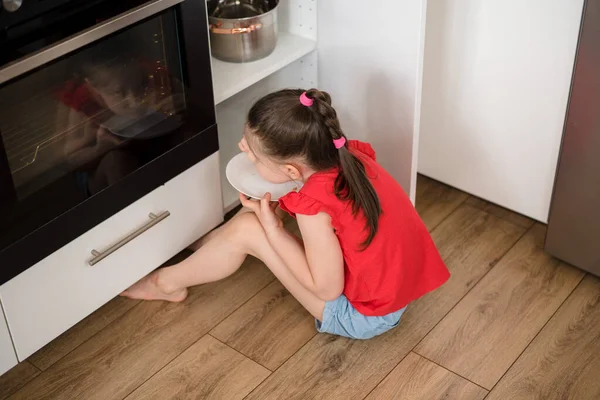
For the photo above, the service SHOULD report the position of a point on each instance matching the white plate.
(149, 123)
(243, 176)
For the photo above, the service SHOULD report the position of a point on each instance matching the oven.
(101, 102)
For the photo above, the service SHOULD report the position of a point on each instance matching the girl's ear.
(293, 172)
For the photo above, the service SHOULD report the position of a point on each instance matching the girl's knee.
(247, 231)
(247, 220)
(246, 226)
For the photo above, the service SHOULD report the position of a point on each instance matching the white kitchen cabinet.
(496, 83)
(59, 291)
(8, 358)
(367, 55)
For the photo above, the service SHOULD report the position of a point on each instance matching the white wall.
(496, 82)
(370, 60)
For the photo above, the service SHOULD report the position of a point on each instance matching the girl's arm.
(80, 138)
(319, 265)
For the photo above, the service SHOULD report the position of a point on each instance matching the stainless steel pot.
(242, 30)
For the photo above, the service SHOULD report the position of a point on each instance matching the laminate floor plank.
(563, 361)
(269, 328)
(129, 351)
(435, 201)
(500, 212)
(159, 350)
(16, 378)
(207, 370)
(486, 332)
(417, 378)
(470, 242)
(81, 332)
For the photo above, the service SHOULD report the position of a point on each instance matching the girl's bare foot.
(148, 288)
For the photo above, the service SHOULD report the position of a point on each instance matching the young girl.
(365, 252)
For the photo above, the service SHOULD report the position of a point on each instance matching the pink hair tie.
(305, 100)
(339, 143)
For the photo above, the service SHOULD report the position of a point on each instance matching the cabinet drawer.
(8, 359)
(195, 201)
(56, 293)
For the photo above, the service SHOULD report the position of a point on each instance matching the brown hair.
(287, 129)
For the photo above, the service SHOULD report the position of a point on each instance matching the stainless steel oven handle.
(84, 38)
(154, 219)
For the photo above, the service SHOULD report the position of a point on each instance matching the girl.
(365, 252)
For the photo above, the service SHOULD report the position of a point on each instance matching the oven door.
(91, 121)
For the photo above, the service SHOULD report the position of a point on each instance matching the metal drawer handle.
(234, 31)
(154, 219)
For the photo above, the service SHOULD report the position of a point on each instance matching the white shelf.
(232, 78)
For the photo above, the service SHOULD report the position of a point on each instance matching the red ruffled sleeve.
(298, 203)
(362, 147)
(79, 98)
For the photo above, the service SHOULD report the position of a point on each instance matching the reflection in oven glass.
(94, 113)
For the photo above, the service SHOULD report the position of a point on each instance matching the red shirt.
(78, 97)
(400, 265)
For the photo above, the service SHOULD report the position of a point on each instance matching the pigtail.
(352, 183)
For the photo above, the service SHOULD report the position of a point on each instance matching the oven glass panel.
(96, 115)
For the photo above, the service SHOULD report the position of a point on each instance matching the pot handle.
(234, 31)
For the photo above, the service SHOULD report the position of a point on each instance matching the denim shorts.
(341, 318)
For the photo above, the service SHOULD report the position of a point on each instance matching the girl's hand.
(105, 137)
(265, 211)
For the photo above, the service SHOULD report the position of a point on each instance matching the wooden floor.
(511, 323)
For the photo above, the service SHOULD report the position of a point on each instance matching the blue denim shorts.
(341, 318)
